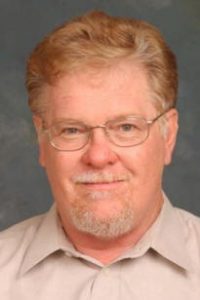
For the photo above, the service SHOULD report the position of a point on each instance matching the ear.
(171, 134)
(37, 121)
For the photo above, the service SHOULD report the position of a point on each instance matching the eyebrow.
(117, 117)
(58, 120)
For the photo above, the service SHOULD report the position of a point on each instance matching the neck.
(103, 250)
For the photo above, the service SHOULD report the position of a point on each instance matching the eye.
(127, 127)
(71, 131)
(68, 130)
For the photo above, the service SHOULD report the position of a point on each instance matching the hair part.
(97, 40)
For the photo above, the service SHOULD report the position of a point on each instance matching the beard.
(83, 212)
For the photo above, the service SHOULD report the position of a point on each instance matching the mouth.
(100, 181)
(102, 185)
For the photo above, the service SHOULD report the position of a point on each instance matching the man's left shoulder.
(190, 224)
(189, 219)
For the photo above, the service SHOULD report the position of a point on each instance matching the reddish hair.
(98, 40)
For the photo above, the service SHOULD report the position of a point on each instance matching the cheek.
(145, 162)
(59, 168)
(58, 165)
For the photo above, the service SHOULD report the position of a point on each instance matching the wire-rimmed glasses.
(127, 131)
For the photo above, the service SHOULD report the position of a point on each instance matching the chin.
(100, 226)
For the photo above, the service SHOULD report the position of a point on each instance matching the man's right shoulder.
(18, 236)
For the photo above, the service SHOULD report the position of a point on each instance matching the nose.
(99, 153)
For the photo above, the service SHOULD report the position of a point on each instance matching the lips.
(102, 185)
(100, 180)
(90, 177)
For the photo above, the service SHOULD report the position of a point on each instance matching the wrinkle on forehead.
(96, 77)
(114, 86)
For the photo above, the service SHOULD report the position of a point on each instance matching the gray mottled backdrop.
(23, 186)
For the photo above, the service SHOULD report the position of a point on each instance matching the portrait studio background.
(24, 190)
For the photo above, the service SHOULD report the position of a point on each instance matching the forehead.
(100, 94)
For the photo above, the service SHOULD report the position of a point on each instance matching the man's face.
(103, 189)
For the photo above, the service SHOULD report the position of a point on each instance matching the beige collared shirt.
(38, 262)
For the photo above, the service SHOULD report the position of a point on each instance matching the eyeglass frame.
(149, 123)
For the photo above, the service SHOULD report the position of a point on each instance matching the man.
(103, 91)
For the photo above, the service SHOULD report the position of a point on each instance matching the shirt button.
(68, 254)
(106, 271)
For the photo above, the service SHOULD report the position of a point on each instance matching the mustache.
(100, 177)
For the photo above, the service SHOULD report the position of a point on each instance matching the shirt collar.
(170, 237)
(48, 238)
(166, 236)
